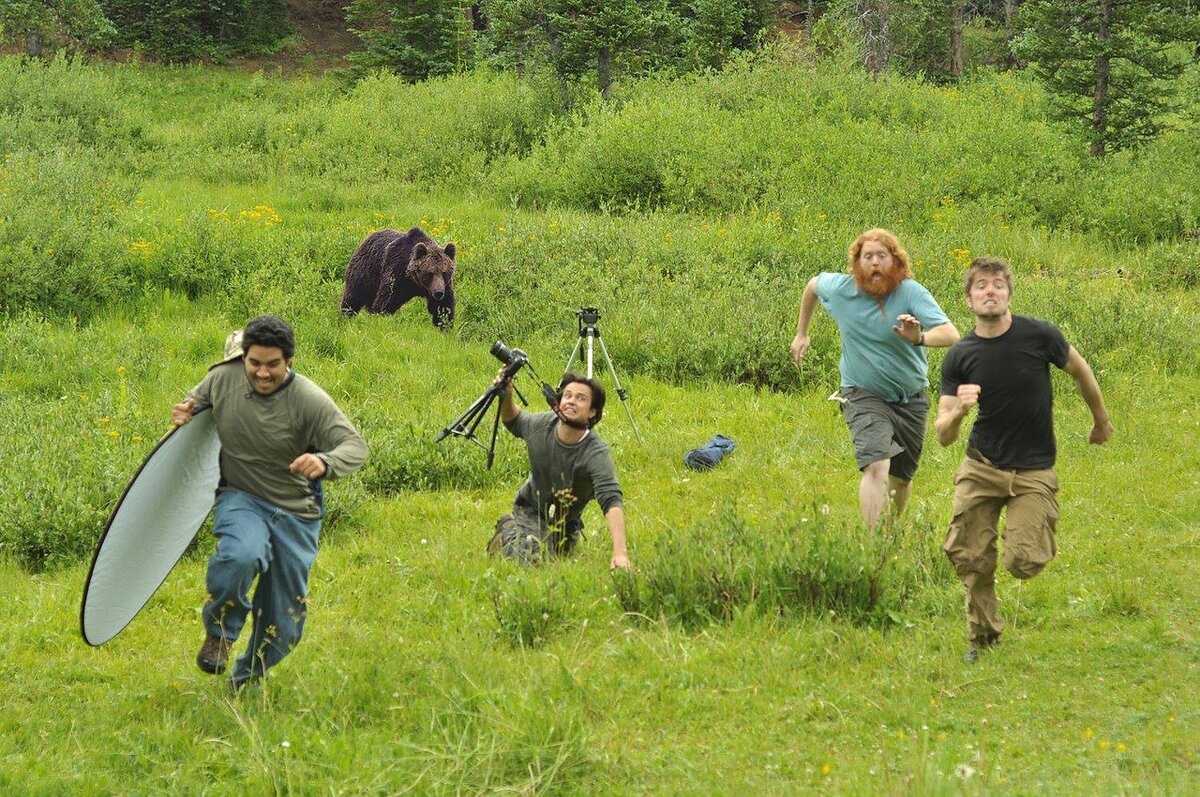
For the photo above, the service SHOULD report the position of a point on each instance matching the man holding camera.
(886, 320)
(281, 436)
(1002, 367)
(569, 465)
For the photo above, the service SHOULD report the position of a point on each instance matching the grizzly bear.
(392, 267)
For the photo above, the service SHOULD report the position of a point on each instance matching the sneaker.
(213, 655)
(979, 645)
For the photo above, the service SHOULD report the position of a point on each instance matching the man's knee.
(237, 555)
(969, 552)
(517, 540)
(877, 471)
(1025, 564)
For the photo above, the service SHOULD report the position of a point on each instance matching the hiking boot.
(979, 645)
(213, 655)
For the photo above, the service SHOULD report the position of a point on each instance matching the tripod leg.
(589, 354)
(464, 425)
(620, 390)
(574, 352)
(492, 448)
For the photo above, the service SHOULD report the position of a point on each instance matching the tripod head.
(587, 318)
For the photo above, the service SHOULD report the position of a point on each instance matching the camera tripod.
(464, 425)
(588, 319)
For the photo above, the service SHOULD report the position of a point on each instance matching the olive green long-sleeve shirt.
(262, 435)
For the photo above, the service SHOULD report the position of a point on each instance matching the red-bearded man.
(885, 319)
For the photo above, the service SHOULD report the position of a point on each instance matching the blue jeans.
(257, 539)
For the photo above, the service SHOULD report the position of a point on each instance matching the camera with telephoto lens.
(513, 359)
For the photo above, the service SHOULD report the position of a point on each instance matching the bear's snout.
(437, 288)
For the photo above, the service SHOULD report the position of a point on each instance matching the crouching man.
(569, 465)
(281, 437)
(1003, 368)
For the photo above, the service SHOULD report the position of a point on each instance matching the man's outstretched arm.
(615, 517)
(808, 303)
(1089, 388)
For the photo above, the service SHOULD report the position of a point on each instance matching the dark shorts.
(886, 430)
(521, 536)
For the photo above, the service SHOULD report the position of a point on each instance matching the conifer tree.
(416, 39)
(577, 38)
(38, 24)
(1110, 65)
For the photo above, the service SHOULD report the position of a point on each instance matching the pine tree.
(577, 38)
(1111, 65)
(416, 39)
(37, 24)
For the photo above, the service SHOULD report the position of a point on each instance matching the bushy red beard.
(878, 289)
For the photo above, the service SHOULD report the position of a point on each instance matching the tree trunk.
(956, 39)
(1010, 11)
(604, 70)
(877, 35)
(1100, 97)
(33, 44)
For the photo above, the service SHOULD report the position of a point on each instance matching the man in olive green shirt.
(569, 465)
(281, 436)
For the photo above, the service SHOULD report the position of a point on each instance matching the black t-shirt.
(1015, 427)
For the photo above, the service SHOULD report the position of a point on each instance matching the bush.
(186, 30)
(75, 454)
(531, 606)
(713, 571)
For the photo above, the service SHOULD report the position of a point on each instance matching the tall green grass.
(691, 210)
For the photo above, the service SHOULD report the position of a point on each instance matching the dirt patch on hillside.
(321, 42)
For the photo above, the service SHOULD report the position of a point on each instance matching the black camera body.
(513, 359)
(588, 316)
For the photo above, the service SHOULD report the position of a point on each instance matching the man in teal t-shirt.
(886, 319)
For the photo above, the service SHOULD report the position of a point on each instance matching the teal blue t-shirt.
(874, 357)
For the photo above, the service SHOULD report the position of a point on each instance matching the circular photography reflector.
(150, 528)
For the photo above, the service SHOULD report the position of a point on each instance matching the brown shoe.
(214, 653)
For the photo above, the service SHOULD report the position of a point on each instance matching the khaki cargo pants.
(981, 490)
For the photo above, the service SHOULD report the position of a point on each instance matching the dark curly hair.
(269, 331)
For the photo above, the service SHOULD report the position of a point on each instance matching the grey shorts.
(886, 430)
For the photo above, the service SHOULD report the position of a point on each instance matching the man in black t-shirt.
(1002, 366)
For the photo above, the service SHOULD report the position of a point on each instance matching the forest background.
(685, 167)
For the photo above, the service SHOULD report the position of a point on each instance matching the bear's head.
(432, 267)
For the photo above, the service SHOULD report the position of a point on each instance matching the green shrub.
(186, 30)
(715, 570)
(46, 106)
(531, 606)
(75, 455)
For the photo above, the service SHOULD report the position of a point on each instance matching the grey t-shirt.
(563, 476)
(261, 436)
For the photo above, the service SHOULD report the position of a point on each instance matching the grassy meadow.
(765, 642)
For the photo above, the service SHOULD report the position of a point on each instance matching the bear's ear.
(450, 250)
(420, 250)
